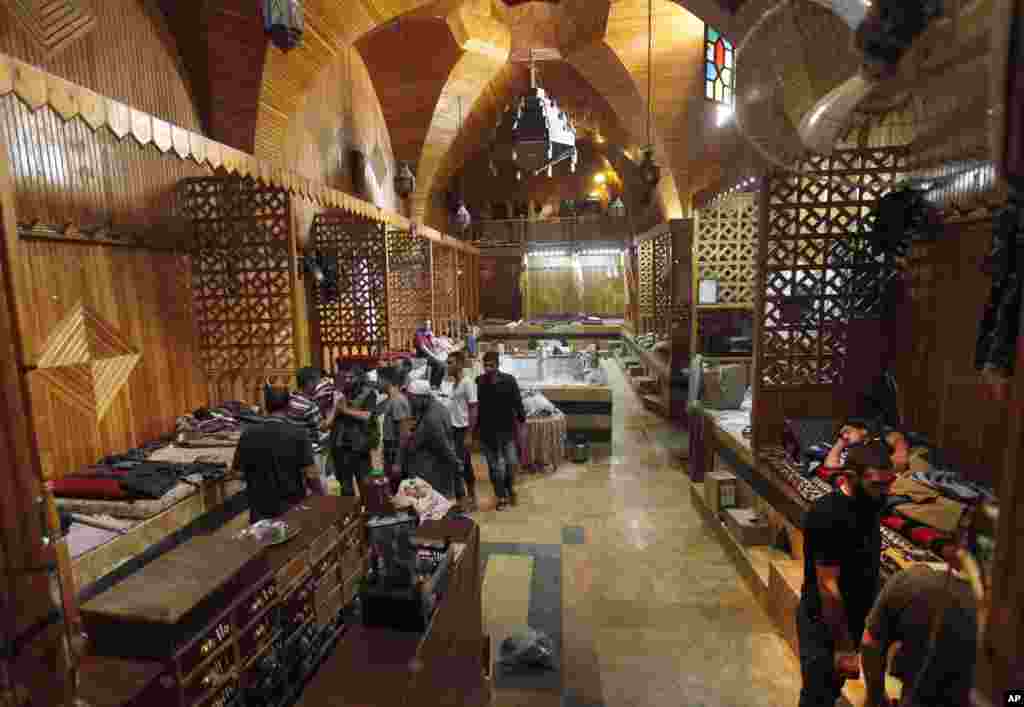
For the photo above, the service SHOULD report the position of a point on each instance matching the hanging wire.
(650, 68)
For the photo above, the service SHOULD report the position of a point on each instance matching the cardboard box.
(747, 527)
(720, 491)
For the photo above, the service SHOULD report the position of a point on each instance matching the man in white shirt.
(463, 411)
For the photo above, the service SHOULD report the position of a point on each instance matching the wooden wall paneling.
(244, 272)
(645, 286)
(131, 56)
(26, 597)
(444, 289)
(409, 286)
(355, 322)
(662, 283)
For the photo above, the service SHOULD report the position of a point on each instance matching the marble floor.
(612, 561)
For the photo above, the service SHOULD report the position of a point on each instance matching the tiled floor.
(612, 561)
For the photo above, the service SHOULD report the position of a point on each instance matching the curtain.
(573, 284)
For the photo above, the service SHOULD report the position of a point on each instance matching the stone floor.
(612, 561)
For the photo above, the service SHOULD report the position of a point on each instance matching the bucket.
(579, 450)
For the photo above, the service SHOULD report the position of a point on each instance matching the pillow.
(724, 387)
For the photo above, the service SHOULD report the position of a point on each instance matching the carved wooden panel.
(468, 274)
(725, 247)
(409, 286)
(813, 274)
(446, 293)
(645, 285)
(662, 283)
(243, 273)
(353, 318)
(53, 24)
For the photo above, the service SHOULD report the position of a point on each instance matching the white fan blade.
(852, 12)
(822, 125)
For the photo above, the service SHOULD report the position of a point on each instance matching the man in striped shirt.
(303, 410)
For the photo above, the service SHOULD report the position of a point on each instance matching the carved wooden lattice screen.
(353, 320)
(645, 285)
(409, 286)
(661, 265)
(446, 291)
(725, 250)
(811, 275)
(243, 275)
(469, 285)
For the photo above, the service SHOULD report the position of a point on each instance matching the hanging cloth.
(1000, 324)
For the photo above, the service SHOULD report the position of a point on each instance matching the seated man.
(276, 461)
(935, 660)
(859, 432)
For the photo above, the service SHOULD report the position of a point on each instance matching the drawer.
(206, 646)
(327, 541)
(225, 697)
(211, 676)
(256, 636)
(257, 602)
(295, 568)
(346, 519)
(327, 611)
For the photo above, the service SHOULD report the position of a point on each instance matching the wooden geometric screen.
(445, 268)
(809, 274)
(469, 285)
(661, 323)
(410, 297)
(355, 321)
(725, 248)
(645, 285)
(241, 273)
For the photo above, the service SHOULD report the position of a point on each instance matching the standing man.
(426, 347)
(500, 408)
(933, 615)
(842, 562)
(464, 411)
(354, 436)
(276, 460)
(431, 455)
(304, 411)
(397, 419)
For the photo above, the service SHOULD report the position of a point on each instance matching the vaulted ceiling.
(443, 58)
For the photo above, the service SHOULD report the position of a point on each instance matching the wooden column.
(25, 602)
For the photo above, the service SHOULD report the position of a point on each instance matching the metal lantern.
(650, 171)
(405, 181)
(617, 208)
(461, 218)
(283, 21)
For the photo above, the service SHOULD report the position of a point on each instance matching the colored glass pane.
(711, 73)
(709, 89)
(728, 56)
(711, 53)
(719, 54)
(713, 35)
(719, 67)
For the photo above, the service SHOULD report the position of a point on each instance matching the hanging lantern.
(461, 218)
(405, 181)
(650, 171)
(617, 209)
(283, 21)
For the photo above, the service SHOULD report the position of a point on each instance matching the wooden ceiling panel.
(408, 89)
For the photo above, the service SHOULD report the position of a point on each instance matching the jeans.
(462, 453)
(438, 371)
(501, 463)
(821, 684)
(351, 468)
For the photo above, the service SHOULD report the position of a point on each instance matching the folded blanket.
(952, 484)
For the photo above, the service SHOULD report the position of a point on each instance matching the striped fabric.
(323, 396)
(306, 412)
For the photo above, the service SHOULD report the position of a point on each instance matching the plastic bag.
(528, 648)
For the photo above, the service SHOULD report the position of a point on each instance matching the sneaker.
(502, 504)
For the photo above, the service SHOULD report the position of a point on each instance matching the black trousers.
(438, 371)
(351, 468)
(460, 433)
(821, 685)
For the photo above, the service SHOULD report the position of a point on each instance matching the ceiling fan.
(903, 44)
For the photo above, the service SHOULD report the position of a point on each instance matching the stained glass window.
(719, 68)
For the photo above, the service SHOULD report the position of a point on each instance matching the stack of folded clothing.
(121, 479)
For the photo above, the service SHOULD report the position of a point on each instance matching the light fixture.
(600, 178)
(534, 133)
(723, 114)
(283, 21)
(405, 181)
(461, 217)
(649, 169)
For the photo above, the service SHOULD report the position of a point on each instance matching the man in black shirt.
(842, 556)
(276, 460)
(499, 409)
